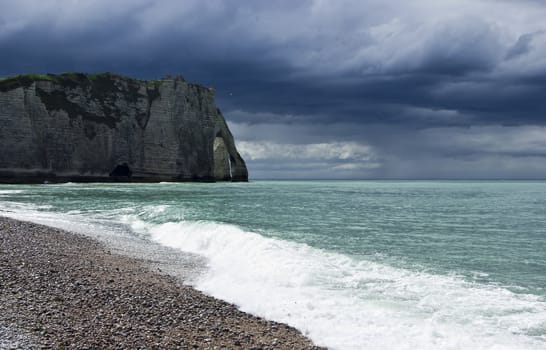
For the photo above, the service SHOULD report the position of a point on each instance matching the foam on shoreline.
(337, 301)
(346, 303)
(66, 290)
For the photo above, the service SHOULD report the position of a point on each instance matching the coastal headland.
(111, 128)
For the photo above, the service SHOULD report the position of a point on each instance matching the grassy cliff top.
(70, 79)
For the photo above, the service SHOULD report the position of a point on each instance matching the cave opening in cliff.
(121, 170)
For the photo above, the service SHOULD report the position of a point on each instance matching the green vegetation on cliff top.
(70, 78)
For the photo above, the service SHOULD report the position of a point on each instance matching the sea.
(351, 264)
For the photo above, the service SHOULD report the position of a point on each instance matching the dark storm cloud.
(521, 47)
(391, 87)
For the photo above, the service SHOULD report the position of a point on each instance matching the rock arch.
(222, 161)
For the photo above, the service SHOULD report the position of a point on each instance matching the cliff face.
(79, 127)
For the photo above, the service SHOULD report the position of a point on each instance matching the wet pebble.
(63, 290)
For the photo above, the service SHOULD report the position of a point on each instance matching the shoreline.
(64, 290)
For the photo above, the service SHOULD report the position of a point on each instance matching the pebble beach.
(61, 290)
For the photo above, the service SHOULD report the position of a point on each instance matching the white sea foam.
(336, 300)
(71, 221)
(10, 192)
(344, 303)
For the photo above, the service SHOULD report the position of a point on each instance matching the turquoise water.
(353, 264)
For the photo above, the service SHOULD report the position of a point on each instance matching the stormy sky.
(324, 89)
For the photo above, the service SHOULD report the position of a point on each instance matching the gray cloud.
(426, 85)
(386, 151)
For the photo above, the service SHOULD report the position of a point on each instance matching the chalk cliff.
(106, 127)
